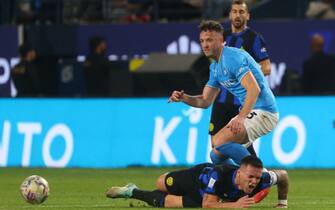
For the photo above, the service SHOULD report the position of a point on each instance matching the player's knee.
(223, 136)
(160, 183)
(217, 140)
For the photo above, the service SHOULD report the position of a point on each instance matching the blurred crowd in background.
(97, 66)
(141, 11)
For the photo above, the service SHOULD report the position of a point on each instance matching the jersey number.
(251, 115)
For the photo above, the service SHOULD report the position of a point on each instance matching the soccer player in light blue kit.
(240, 74)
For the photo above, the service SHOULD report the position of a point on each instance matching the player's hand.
(236, 124)
(244, 202)
(280, 206)
(176, 96)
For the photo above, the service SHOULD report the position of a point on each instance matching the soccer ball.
(35, 189)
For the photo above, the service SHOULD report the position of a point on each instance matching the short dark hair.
(253, 161)
(211, 25)
(95, 41)
(239, 2)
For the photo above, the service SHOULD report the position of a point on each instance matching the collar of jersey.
(240, 33)
(223, 46)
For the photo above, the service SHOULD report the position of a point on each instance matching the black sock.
(154, 198)
(252, 151)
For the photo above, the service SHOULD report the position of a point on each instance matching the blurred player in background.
(226, 106)
(318, 75)
(238, 72)
(211, 186)
(97, 68)
(25, 73)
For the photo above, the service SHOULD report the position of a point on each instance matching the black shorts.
(186, 183)
(221, 115)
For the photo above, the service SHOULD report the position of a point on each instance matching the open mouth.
(251, 186)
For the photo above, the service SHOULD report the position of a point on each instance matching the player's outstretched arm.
(213, 201)
(282, 187)
(201, 101)
(250, 84)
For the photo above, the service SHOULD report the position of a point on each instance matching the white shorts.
(258, 123)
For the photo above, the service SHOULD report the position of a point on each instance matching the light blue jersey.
(234, 63)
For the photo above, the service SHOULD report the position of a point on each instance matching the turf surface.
(84, 188)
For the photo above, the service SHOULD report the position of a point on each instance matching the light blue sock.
(223, 160)
(234, 151)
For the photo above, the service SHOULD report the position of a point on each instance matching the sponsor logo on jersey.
(211, 183)
(228, 83)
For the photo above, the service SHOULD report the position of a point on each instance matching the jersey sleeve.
(212, 82)
(266, 180)
(240, 67)
(259, 49)
(212, 182)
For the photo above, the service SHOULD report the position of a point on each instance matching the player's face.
(103, 47)
(239, 16)
(211, 43)
(249, 177)
(31, 55)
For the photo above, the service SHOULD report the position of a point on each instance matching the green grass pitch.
(84, 188)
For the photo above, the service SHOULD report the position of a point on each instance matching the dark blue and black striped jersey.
(219, 180)
(250, 41)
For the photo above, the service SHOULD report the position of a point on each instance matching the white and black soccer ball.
(35, 189)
